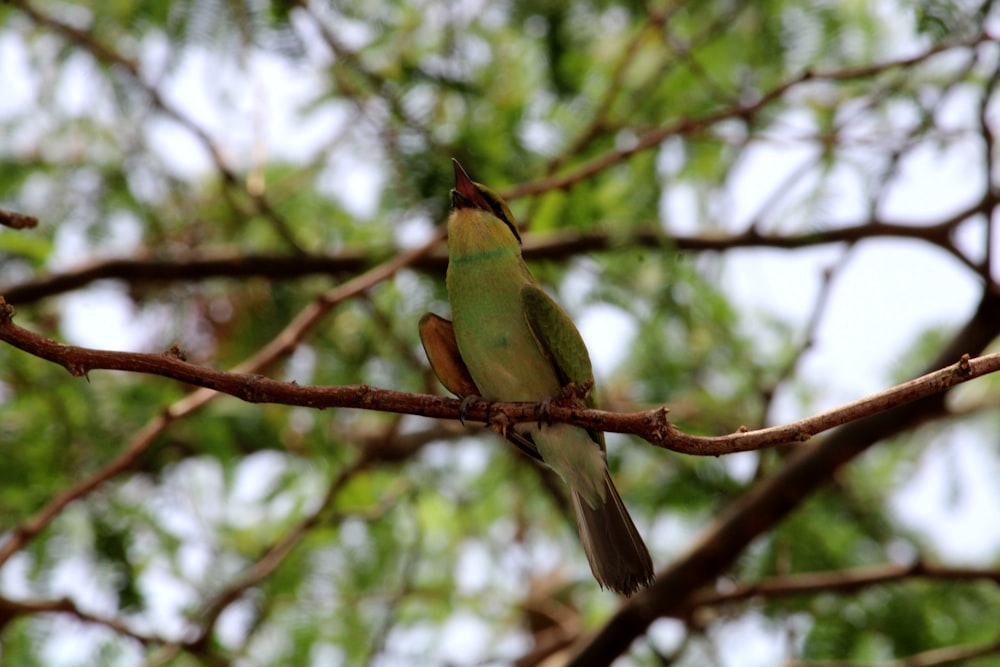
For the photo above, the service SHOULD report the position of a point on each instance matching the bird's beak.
(466, 194)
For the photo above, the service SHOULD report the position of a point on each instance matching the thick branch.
(768, 502)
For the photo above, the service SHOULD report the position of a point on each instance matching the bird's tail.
(618, 557)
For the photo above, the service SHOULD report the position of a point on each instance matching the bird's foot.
(467, 402)
(579, 392)
(570, 396)
(500, 423)
(544, 408)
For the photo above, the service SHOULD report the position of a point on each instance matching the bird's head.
(479, 213)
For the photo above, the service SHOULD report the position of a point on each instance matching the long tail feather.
(618, 557)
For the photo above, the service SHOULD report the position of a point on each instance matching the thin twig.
(840, 581)
(272, 559)
(688, 126)
(17, 220)
(10, 609)
(989, 169)
(283, 344)
(808, 339)
(938, 657)
(109, 56)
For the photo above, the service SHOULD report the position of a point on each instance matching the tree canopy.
(224, 219)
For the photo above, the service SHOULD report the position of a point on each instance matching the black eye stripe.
(494, 205)
(498, 210)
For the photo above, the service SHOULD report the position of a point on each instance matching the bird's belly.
(492, 334)
(508, 364)
(516, 372)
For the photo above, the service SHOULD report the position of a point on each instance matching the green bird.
(509, 341)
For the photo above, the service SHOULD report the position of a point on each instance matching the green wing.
(561, 342)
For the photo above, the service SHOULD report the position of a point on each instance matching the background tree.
(259, 185)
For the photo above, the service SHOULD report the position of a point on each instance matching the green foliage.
(426, 532)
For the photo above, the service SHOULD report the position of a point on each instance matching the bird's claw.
(544, 407)
(569, 396)
(578, 392)
(467, 402)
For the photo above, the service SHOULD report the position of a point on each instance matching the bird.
(508, 340)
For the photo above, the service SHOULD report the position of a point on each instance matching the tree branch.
(651, 425)
(937, 657)
(17, 220)
(768, 502)
(687, 126)
(110, 57)
(842, 581)
(11, 609)
(284, 343)
(550, 247)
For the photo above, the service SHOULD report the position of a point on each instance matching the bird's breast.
(493, 336)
